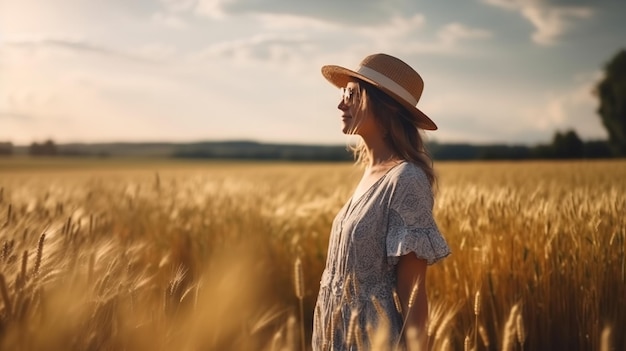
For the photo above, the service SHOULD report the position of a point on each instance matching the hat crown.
(398, 71)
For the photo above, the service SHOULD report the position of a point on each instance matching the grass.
(158, 255)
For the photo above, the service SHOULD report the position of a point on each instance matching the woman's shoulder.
(409, 172)
(410, 187)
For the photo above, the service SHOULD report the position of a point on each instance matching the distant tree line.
(564, 145)
(6, 148)
(257, 151)
(47, 148)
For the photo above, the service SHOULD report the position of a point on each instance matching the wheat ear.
(396, 301)
(476, 313)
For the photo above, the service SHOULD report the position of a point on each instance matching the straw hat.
(390, 75)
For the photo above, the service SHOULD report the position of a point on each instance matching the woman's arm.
(411, 271)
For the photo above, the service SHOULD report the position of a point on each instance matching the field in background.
(111, 255)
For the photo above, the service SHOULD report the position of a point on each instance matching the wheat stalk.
(346, 294)
(445, 345)
(291, 333)
(442, 327)
(380, 311)
(276, 340)
(20, 280)
(39, 254)
(299, 290)
(412, 339)
(483, 336)
(476, 313)
(9, 215)
(605, 339)
(509, 330)
(5, 295)
(68, 226)
(350, 336)
(410, 303)
(335, 319)
(520, 330)
(358, 335)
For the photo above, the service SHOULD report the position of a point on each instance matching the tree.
(559, 149)
(48, 148)
(567, 145)
(574, 146)
(611, 91)
(597, 149)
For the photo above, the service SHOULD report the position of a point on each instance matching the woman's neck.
(379, 152)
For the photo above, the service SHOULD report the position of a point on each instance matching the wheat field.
(163, 255)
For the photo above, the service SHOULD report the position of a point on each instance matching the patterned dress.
(369, 234)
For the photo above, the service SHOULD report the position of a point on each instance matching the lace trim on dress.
(427, 243)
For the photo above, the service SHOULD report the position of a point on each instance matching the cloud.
(347, 11)
(179, 5)
(72, 45)
(214, 9)
(481, 112)
(573, 108)
(17, 116)
(169, 20)
(550, 20)
(408, 36)
(453, 33)
(19, 99)
(267, 48)
(158, 52)
(395, 27)
(277, 21)
(299, 44)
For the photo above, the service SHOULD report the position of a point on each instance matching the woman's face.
(355, 120)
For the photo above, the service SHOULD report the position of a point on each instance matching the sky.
(495, 71)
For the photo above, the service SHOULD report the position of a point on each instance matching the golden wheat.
(169, 256)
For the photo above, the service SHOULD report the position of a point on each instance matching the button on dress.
(369, 234)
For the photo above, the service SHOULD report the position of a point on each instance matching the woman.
(373, 288)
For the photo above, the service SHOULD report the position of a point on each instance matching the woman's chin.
(347, 129)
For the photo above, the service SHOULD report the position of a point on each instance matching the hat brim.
(341, 76)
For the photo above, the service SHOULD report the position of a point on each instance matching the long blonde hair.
(401, 131)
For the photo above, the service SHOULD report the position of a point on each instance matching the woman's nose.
(342, 105)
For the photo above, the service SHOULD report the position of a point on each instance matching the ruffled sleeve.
(411, 226)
